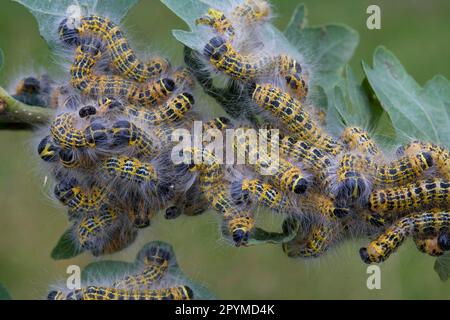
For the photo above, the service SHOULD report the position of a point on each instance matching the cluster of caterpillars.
(150, 280)
(334, 187)
(109, 149)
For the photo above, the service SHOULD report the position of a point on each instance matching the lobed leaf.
(49, 13)
(442, 266)
(416, 112)
(65, 248)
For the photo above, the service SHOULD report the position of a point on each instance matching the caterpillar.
(419, 225)
(316, 242)
(183, 79)
(322, 205)
(70, 193)
(130, 169)
(93, 230)
(414, 196)
(440, 155)
(121, 237)
(252, 11)
(126, 133)
(171, 111)
(434, 246)
(224, 58)
(103, 293)
(293, 115)
(83, 78)
(47, 150)
(283, 173)
(156, 266)
(122, 56)
(352, 178)
(239, 222)
(65, 134)
(403, 170)
(260, 193)
(218, 21)
(357, 139)
(306, 153)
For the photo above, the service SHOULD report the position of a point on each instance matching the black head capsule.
(172, 213)
(69, 35)
(301, 186)
(29, 85)
(87, 111)
(364, 254)
(240, 237)
(47, 150)
(189, 97)
(444, 241)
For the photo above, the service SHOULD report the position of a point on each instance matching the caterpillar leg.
(417, 225)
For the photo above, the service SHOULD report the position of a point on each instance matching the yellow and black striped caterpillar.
(122, 56)
(130, 169)
(357, 139)
(291, 112)
(416, 196)
(418, 225)
(225, 58)
(83, 78)
(103, 293)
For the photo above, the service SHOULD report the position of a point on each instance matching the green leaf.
(350, 105)
(416, 112)
(261, 236)
(4, 294)
(49, 13)
(442, 266)
(65, 248)
(325, 49)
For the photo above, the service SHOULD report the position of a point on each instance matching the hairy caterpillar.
(70, 193)
(122, 56)
(440, 155)
(156, 265)
(218, 21)
(260, 193)
(317, 203)
(414, 196)
(130, 169)
(403, 170)
(127, 133)
(283, 173)
(84, 79)
(224, 58)
(434, 246)
(47, 150)
(65, 134)
(291, 112)
(357, 139)
(103, 293)
(183, 79)
(418, 225)
(252, 11)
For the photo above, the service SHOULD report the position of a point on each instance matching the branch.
(17, 115)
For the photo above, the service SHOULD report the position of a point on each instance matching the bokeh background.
(30, 223)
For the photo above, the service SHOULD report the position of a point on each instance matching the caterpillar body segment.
(240, 226)
(123, 235)
(259, 193)
(357, 139)
(403, 170)
(306, 153)
(130, 169)
(316, 242)
(126, 133)
(184, 79)
(78, 200)
(291, 112)
(252, 11)
(156, 261)
(65, 134)
(103, 293)
(281, 172)
(431, 245)
(123, 57)
(353, 178)
(93, 230)
(47, 150)
(172, 110)
(418, 225)
(225, 58)
(440, 155)
(217, 20)
(417, 196)
(324, 206)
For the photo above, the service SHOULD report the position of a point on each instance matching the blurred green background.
(30, 223)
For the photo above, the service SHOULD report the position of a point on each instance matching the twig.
(17, 115)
